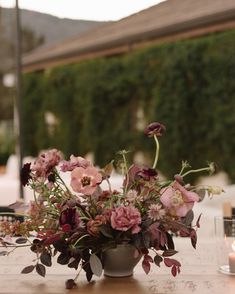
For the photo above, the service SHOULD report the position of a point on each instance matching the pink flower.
(178, 200)
(93, 225)
(124, 218)
(156, 212)
(85, 180)
(74, 162)
(46, 162)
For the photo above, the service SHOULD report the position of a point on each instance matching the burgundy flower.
(70, 217)
(25, 174)
(155, 128)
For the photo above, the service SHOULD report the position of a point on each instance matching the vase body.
(120, 261)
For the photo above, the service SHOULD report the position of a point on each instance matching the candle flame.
(233, 245)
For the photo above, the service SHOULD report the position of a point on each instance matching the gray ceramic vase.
(120, 261)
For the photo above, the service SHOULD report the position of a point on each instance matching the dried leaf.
(96, 265)
(3, 253)
(41, 270)
(28, 269)
(107, 170)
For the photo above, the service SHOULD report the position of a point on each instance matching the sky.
(84, 9)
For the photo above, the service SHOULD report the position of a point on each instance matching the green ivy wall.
(188, 85)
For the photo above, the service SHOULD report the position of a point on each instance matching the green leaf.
(96, 265)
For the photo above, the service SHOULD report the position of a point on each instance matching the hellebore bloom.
(85, 180)
(155, 128)
(25, 174)
(178, 200)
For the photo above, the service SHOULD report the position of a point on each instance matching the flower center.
(86, 181)
(177, 199)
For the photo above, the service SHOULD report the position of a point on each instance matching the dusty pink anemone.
(124, 218)
(85, 180)
(178, 200)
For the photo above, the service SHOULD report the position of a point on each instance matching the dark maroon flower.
(155, 128)
(51, 178)
(25, 174)
(147, 173)
(70, 216)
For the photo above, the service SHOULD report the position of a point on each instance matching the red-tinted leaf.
(41, 270)
(174, 270)
(146, 266)
(198, 221)
(169, 253)
(175, 262)
(28, 269)
(168, 262)
(193, 236)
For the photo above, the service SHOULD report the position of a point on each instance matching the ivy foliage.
(188, 85)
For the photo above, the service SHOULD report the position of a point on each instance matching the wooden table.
(199, 275)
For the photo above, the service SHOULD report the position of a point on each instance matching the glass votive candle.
(225, 244)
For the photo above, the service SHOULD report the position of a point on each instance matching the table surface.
(199, 274)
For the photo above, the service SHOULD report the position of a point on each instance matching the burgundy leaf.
(193, 236)
(40, 269)
(28, 269)
(146, 266)
(168, 262)
(21, 240)
(169, 253)
(198, 221)
(174, 270)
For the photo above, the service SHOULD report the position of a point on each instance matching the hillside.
(52, 28)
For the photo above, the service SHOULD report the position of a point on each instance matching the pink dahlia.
(85, 180)
(124, 218)
(46, 162)
(74, 162)
(178, 200)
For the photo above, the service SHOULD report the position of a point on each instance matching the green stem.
(195, 171)
(157, 151)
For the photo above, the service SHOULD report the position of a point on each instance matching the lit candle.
(231, 259)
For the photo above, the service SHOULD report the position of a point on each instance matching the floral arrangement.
(79, 222)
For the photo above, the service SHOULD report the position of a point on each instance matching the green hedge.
(188, 85)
